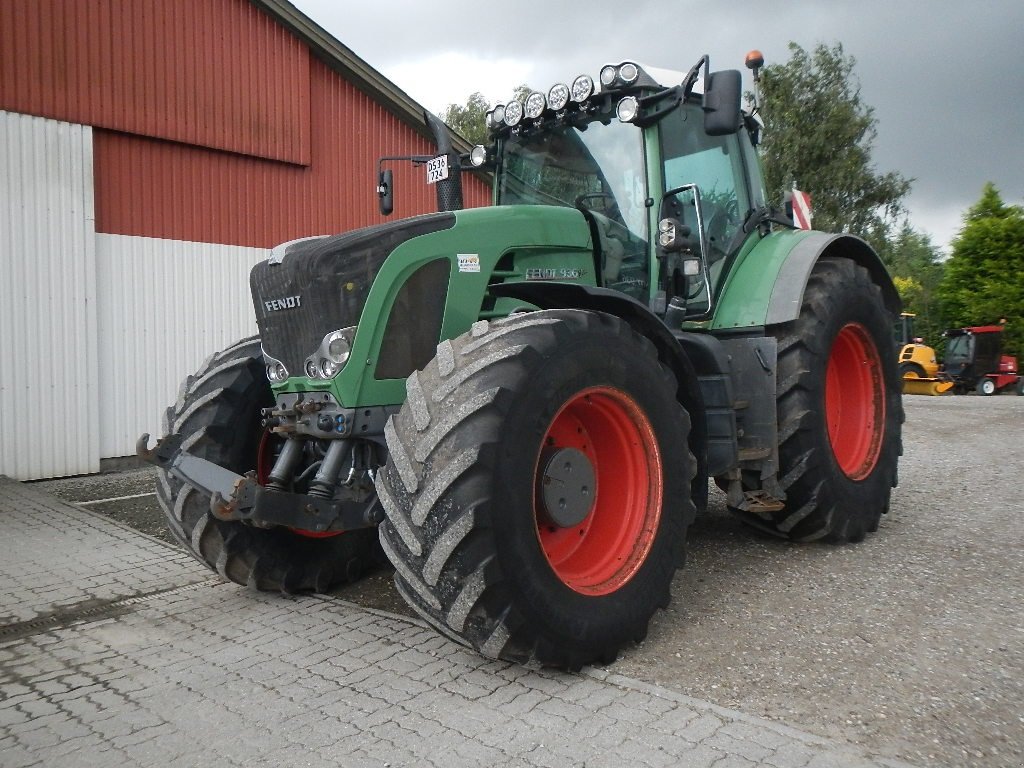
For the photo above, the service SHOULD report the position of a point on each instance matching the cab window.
(715, 165)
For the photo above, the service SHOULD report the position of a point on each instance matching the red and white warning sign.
(801, 209)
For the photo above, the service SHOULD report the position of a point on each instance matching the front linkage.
(268, 500)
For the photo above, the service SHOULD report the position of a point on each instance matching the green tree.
(917, 270)
(984, 278)
(819, 134)
(468, 118)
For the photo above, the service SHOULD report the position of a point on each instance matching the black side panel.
(414, 326)
(714, 373)
(321, 285)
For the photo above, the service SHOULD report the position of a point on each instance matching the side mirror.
(385, 191)
(722, 102)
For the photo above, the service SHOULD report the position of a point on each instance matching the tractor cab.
(666, 178)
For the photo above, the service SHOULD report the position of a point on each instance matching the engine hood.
(321, 284)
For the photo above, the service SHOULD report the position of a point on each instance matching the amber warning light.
(754, 62)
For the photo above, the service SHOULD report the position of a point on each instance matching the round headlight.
(582, 88)
(489, 119)
(338, 348)
(629, 72)
(513, 113)
(498, 114)
(535, 104)
(276, 372)
(558, 96)
(329, 368)
(627, 109)
(607, 75)
(478, 155)
(311, 370)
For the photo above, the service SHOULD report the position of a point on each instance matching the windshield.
(599, 168)
(603, 165)
(958, 348)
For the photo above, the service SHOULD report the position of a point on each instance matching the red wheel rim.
(855, 401)
(601, 554)
(265, 463)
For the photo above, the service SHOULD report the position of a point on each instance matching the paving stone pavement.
(117, 650)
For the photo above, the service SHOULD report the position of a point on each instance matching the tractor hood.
(317, 285)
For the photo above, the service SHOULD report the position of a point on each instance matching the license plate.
(437, 169)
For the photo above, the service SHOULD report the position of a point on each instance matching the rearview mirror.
(385, 191)
(722, 102)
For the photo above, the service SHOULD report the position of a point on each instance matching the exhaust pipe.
(449, 191)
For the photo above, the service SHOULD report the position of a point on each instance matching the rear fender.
(766, 287)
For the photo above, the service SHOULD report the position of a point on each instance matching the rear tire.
(218, 414)
(465, 490)
(839, 409)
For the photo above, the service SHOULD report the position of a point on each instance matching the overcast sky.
(945, 77)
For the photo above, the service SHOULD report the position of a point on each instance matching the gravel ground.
(911, 643)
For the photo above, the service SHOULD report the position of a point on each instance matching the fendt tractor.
(527, 401)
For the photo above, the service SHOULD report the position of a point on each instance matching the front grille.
(321, 285)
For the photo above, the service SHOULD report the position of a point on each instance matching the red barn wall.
(217, 74)
(161, 189)
(214, 123)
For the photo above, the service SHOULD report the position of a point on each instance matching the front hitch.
(235, 497)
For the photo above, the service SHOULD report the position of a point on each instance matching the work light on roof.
(629, 72)
(582, 88)
(558, 96)
(613, 76)
(497, 116)
(626, 110)
(535, 104)
(513, 113)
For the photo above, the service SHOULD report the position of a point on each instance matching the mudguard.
(766, 285)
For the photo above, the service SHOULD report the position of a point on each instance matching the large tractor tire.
(537, 489)
(218, 414)
(840, 410)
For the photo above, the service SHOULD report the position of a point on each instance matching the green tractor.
(527, 401)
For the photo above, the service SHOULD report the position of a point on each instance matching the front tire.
(839, 407)
(986, 387)
(484, 547)
(912, 371)
(218, 415)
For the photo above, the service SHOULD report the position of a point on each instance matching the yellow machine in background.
(918, 364)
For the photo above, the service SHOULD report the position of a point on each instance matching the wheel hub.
(567, 486)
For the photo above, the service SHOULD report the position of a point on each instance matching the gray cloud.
(943, 76)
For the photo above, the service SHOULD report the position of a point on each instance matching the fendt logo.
(288, 302)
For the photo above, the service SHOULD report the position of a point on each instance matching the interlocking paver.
(117, 650)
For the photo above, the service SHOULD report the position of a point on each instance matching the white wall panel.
(48, 367)
(164, 305)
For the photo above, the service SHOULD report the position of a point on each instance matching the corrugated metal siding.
(160, 189)
(218, 74)
(164, 306)
(48, 367)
